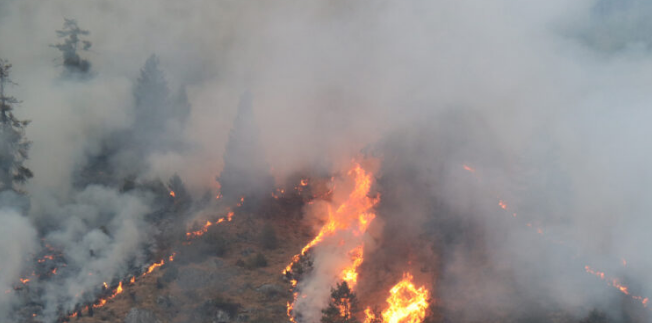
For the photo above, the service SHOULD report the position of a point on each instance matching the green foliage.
(268, 237)
(342, 305)
(14, 146)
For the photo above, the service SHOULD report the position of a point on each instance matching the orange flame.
(24, 280)
(406, 303)
(102, 301)
(353, 215)
(350, 274)
(153, 266)
(172, 194)
(616, 284)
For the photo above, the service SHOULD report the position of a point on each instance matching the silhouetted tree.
(245, 172)
(159, 117)
(70, 47)
(342, 305)
(14, 146)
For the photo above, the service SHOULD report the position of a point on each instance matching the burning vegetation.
(387, 190)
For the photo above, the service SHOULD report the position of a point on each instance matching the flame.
(171, 258)
(610, 281)
(229, 216)
(357, 205)
(353, 215)
(406, 303)
(616, 284)
(350, 274)
(153, 266)
(54, 271)
(172, 194)
(46, 257)
(304, 182)
(102, 301)
(290, 306)
(24, 280)
(132, 280)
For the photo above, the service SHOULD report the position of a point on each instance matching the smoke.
(546, 102)
(17, 241)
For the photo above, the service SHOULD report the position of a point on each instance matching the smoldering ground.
(547, 102)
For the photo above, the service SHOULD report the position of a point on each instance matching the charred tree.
(14, 146)
(342, 305)
(245, 173)
(72, 44)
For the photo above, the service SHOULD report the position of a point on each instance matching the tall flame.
(353, 215)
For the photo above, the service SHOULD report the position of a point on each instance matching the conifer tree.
(14, 146)
(342, 305)
(159, 116)
(245, 172)
(72, 43)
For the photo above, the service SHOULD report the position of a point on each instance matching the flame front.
(354, 215)
(406, 303)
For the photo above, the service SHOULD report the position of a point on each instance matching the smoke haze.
(546, 102)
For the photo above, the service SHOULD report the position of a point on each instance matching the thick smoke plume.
(512, 139)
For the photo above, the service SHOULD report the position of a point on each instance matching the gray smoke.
(547, 102)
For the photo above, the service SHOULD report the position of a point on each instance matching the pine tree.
(71, 33)
(14, 146)
(342, 305)
(245, 173)
(159, 116)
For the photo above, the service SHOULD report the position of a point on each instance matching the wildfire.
(350, 274)
(610, 281)
(172, 194)
(204, 229)
(102, 301)
(46, 257)
(24, 280)
(154, 266)
(406, 303)
(616, 284)
(354, 215)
